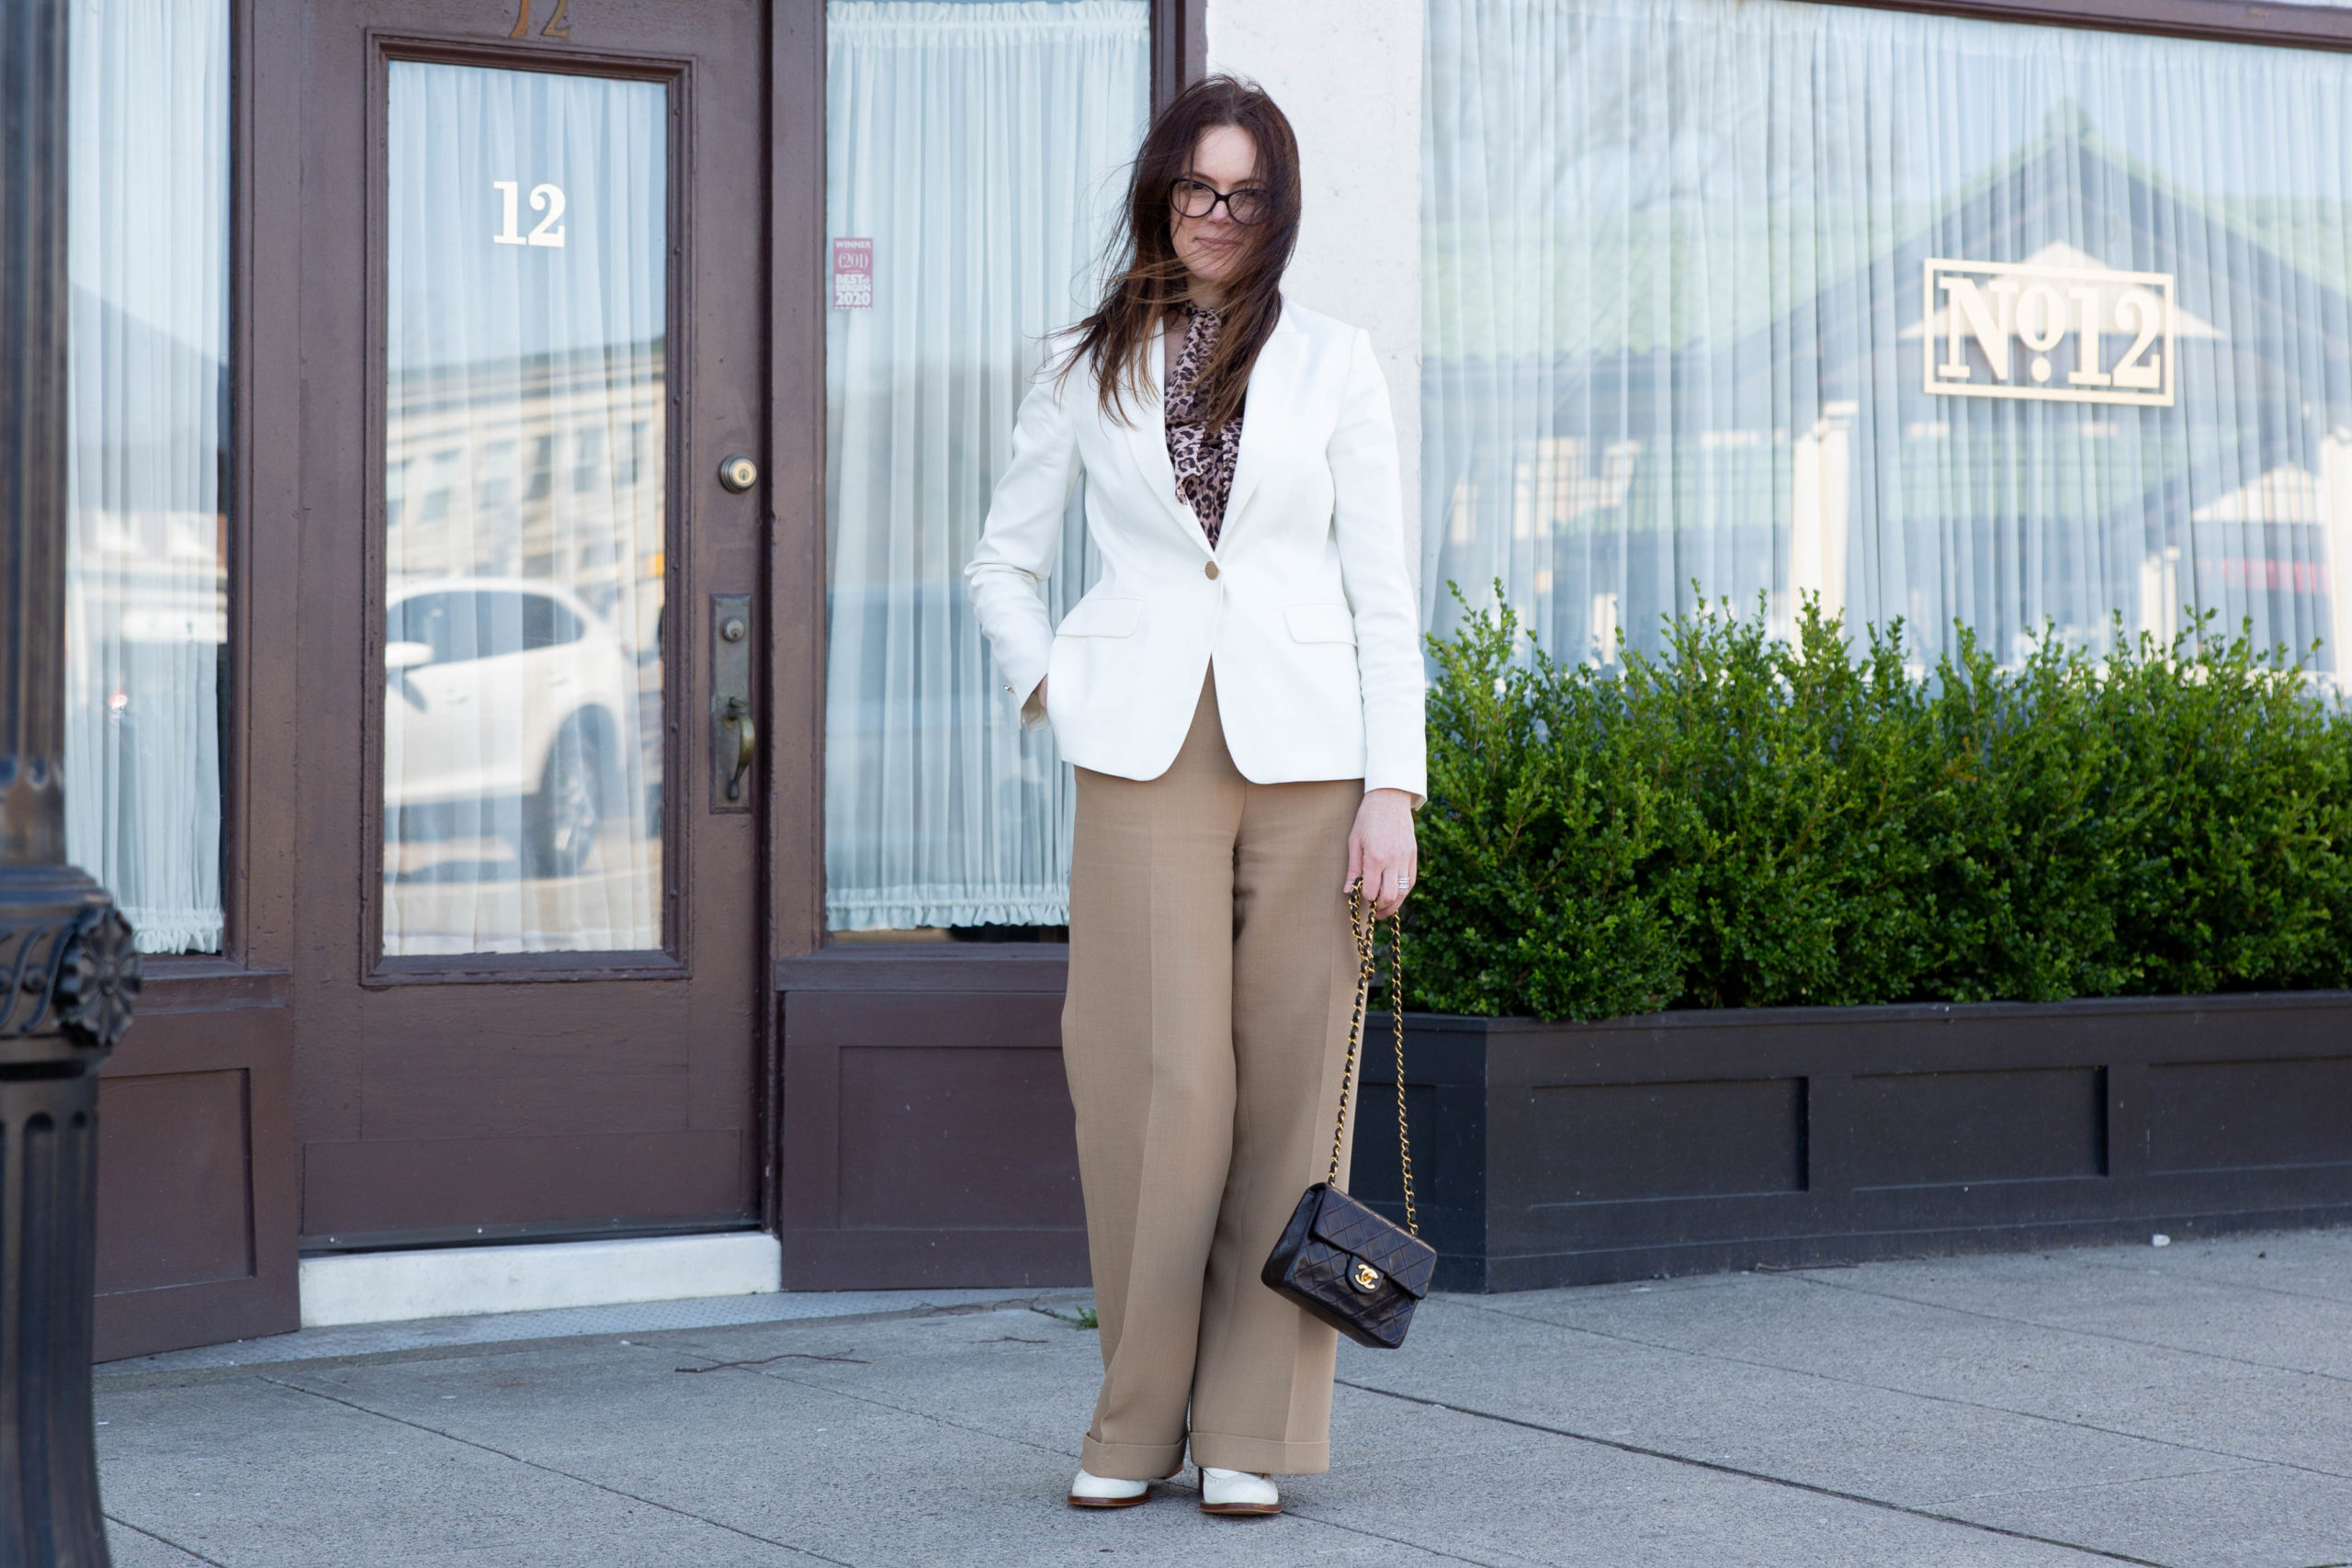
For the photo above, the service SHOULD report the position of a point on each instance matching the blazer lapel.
(1273, 383)
(1146, 433)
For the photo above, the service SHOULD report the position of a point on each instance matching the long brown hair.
(1151, 283)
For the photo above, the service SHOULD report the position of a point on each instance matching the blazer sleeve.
(1020, 541)
(1369, 514)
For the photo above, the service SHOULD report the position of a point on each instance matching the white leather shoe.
(1238, 1494)
(1091, 1491)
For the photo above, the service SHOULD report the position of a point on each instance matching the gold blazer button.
(1210, 569)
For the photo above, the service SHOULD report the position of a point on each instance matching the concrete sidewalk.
(2190, 1405)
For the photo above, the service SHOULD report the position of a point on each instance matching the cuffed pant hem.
(1260, 1456)
(1131, 1461)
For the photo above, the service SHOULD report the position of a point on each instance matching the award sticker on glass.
(853, 274)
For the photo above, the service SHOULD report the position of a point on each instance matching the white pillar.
(2335, 528)
(1821, 483)
(1347, 73)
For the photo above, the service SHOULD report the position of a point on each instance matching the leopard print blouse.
(1203, 457)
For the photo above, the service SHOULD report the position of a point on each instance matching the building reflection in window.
(1678, 331)
(526, 301)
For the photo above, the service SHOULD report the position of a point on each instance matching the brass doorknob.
(738, 473)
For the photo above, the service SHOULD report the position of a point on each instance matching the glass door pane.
(525, 549)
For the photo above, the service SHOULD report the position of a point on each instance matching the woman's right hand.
(1040, 693)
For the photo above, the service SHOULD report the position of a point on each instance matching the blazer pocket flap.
(1320, 622)
(1101, 617)
(1344, 1223)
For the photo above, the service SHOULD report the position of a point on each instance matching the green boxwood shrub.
(1744, 822)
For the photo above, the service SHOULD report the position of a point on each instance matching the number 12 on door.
(545, 198)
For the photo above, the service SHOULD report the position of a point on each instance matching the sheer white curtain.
(525, 283)
(1674, 321)
(147, 233)
(982, 149)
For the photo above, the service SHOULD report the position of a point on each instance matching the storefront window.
(1939, 320)
(146, 618)
(975, 155)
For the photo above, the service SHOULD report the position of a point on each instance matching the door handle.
(747, 744)
(734, 731)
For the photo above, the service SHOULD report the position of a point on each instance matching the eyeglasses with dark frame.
(1197, 199)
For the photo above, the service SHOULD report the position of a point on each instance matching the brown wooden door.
(526, 988)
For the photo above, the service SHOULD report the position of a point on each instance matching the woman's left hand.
(1381, 848)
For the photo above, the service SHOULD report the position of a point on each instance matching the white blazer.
(1303, 607)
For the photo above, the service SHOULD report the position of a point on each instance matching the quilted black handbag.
(1337, 1258)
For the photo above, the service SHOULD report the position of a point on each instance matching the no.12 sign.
(2058, 333)
(544, 198)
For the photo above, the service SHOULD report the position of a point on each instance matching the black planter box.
(1688, 1142)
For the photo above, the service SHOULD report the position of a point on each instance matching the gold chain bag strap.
(1338, 1260)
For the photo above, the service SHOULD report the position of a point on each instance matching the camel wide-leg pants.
(1212, 975)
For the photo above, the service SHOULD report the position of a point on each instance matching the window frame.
(2216, 21)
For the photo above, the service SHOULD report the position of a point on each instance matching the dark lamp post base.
(48, 1490)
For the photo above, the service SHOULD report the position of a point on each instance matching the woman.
(1241, 697)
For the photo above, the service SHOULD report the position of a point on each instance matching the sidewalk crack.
(2191, 1273)
(1959, 1497)
(551, 1470)
(167, 1541)
(1765, 1476)
(1408, 1542)
(2085, 1333)
(1923, 1395)
(778, 1375)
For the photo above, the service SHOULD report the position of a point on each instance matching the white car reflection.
(513, 696)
